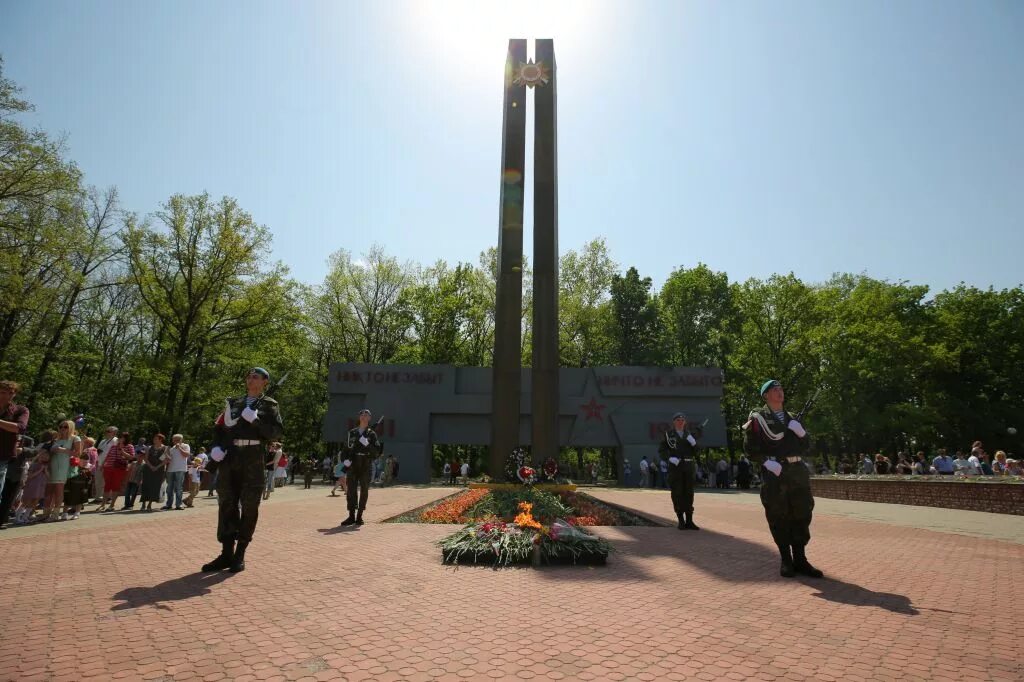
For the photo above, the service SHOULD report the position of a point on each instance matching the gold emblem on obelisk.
(532, 74)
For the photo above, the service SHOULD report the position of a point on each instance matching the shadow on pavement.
(847, 593)
(338, 529)
(727, 558)
(176, 589)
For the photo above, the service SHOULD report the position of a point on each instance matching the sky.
(811, 137)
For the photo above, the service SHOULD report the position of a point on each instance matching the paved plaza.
(120, 597)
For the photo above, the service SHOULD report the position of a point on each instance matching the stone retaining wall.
(1001, 498)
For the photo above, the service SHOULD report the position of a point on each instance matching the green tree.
(204, 279)
(636, 328)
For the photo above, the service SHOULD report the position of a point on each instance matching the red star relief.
(593, 409)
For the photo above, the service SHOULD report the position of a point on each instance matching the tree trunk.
(51, 347)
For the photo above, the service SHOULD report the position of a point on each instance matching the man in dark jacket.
(678, 448)
(242, 433)
(774, 437)
(361, 448)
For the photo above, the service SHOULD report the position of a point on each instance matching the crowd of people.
(383, 472)
(57, 476)
(977, 463)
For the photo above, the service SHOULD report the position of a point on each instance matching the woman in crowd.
(66, 446)
(881, 464)
(35, 481)
(153, 472)
(921, 465)
(115, 469)
(999, 464)
(281, 473)
(904, 467)
(1014, 467)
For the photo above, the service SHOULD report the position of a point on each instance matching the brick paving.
(374, 603)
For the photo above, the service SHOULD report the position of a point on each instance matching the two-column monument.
(520, 74)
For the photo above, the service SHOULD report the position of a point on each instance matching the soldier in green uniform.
(774, 437)
(242, 432)
(679, 449)
(361, 448)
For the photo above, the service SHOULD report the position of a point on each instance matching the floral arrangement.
(527, 475)
(523, 539)
(515, 462)
(550, 469)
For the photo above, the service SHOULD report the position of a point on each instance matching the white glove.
(691, 440)
(347, 463)
(773, 467)
(673, 460)
(362, 439)
(249, 415)
(796, 428)
(217, 454)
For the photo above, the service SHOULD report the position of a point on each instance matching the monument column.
(544, 388)
(506, 373)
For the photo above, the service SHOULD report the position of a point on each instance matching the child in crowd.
(35, 481)
(76, 491)
(195, 473)
(340, 478)
(134, 477)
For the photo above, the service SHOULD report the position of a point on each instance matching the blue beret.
(262, 372)
(771, 383)
(678, 415)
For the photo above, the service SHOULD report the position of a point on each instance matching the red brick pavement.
(375, 603)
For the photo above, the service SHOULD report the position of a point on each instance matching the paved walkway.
(320, 603)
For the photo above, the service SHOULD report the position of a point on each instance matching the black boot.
(802, 565)
(224, 560)
(359, 518)
(682, 522)
(690, 525)
(786, 570)
(238, 562)
(351, 518)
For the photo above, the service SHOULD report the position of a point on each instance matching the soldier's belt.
(687, 459)
(794, 460)
(245, 443)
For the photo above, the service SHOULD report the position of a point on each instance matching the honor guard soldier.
(361, 448)
(241, 435)
(773, 436)
(679, 449)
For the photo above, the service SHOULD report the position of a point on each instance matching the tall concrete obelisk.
(508, 311)
(544, 386)
(507, 372)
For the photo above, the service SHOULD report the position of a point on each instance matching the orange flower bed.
(453, 510)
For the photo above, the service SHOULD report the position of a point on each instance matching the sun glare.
(470, 33)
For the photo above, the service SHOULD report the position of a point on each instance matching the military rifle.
(807, 406)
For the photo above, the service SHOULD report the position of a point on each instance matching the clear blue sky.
(758, 137)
